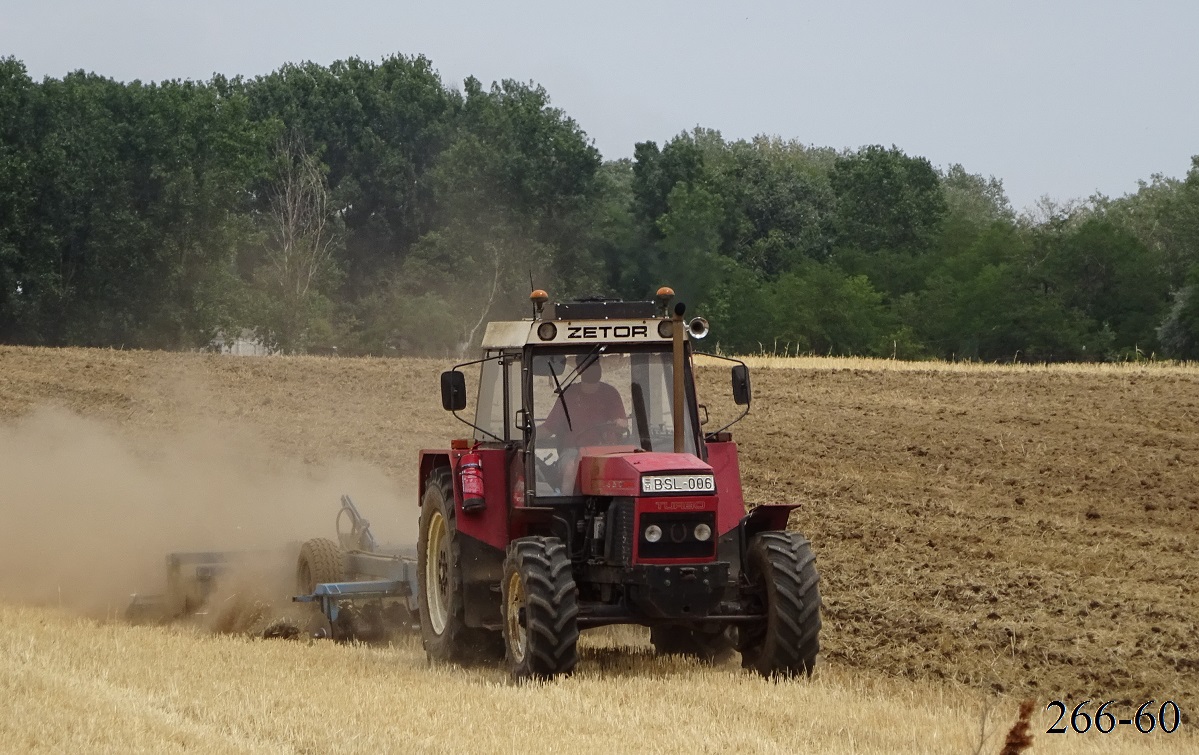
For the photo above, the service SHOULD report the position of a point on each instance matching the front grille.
(620, 532)
(678, 535)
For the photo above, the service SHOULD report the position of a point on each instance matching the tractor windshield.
(606, 397)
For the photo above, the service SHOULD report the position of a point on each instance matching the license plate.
(679, 483)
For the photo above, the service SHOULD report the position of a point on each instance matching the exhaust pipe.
(677, 333)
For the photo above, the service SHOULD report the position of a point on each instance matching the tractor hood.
(619, 473)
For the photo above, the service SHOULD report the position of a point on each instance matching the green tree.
(139, 209)
(656, 172)
(889, 211)
(973, 204)
(515, 155)
(972, 198)
(379, 128)
(304, 232)
(886, 200)
(992, 301)
(690, 243)
(818, 309)
(1179, 331)
(615, 239)
(779, 204)
(1105, 273)
(22, 281)
(1164, 215)
(515, 196)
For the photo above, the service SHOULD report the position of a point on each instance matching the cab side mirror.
(741, 390)
(453, 391)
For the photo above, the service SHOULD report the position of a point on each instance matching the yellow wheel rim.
(517, 634)
(437, 573)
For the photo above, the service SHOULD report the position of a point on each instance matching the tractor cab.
(588, 380)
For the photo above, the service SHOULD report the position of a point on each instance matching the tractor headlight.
(653, 533)
(546, 331)
(702, 532)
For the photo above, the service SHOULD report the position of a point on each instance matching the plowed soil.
(1031, 532)
(1028, 531)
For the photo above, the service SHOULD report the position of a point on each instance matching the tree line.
(369, 206)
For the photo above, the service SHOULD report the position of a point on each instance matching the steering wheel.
(609, 433)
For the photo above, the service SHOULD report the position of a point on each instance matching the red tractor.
(590, 496)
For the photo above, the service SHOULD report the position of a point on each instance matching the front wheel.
(782, 572)
(541, 609)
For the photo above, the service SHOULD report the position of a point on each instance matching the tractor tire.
(782, 571)
(444, 633)
(320, 562)
(541, 609)
(709, 646)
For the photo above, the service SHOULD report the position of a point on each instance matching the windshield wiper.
(560, 388)
(561, 399)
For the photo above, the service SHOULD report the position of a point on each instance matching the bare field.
(1024, 532)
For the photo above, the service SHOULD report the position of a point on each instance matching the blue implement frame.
(399, 584)
(331, 595)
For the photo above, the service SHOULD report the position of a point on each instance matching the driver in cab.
(588, 412)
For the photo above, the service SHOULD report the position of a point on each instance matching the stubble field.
(984, 535)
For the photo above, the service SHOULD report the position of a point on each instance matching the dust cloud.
(88, 513)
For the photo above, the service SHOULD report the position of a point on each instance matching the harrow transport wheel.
(710, 646)
(540, 603)
(443, 629)
(782, 570)
(320, 562)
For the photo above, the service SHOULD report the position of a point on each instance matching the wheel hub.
(514, 617)
(437, 573)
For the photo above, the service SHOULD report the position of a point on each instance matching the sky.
(1056, 98)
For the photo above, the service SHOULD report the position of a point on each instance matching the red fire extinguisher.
(470, 476)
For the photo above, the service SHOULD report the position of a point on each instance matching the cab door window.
(490, 421)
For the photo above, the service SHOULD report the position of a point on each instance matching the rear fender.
(429, 460)
(490, 525)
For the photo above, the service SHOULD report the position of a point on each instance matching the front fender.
(766, 517)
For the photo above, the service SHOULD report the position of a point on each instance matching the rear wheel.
(708, 645)
(541, 609)
(782, 571)
(443, 629)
